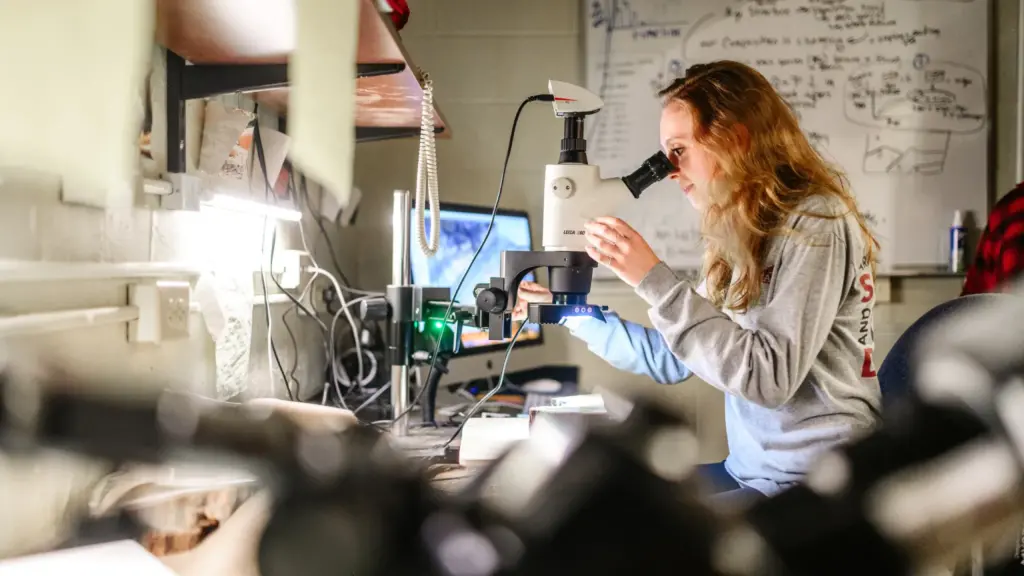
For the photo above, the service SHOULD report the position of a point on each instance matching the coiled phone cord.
(426, 175)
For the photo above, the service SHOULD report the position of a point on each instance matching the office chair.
(895, 375)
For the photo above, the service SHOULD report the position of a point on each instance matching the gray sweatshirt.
(796, 368)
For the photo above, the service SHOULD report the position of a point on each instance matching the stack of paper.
(581, 404)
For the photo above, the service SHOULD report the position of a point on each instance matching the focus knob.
(563, 188)
(492, 300)
(373, 309)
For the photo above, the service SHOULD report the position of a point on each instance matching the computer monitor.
(462, 230)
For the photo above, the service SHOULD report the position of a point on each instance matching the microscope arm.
(570, 275)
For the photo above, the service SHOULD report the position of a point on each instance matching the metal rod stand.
(401, 331)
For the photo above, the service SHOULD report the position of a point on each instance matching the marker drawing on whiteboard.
(623, 15)
(896, 152)
(597, 21)
(923, 95)
(646, 21)
(819, 141)
(916, 107)
(882, 90)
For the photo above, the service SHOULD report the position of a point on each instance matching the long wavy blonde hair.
(772, 169)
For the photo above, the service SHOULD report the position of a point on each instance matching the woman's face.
(695, 167)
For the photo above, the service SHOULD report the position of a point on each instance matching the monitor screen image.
(462, 231)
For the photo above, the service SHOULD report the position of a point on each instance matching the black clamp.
(571, 274)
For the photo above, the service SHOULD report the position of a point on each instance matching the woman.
(782, 321)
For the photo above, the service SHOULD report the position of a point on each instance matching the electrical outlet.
(186, 193)
(175, 299)
(163, 311)
(288, 263)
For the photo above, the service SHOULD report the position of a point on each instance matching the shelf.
(227, 31)
(242, 46)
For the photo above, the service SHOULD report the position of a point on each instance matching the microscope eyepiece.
(652, 171)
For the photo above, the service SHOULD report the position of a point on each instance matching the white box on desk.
(486, 439)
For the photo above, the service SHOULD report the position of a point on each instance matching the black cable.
(328, 336)
(357, 383)
(295, 347)
(328, 339)
(295, 344)
(433, 383)
(284, 376)
(299, 305)
(487, 234)
(258, 145)
(270, 336)
(489, 395)
(344, 281)
(323, 230)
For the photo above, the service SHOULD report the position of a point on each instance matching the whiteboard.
(892, 91)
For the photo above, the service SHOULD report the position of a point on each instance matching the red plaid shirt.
(1000, 256)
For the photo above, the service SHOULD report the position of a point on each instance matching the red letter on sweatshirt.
(867, 371)
(866, 284)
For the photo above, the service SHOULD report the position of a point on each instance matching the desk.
(451, 478)
(442, 469)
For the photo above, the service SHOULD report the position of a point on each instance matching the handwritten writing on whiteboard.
(624, 14)
(863, 62)
(917, 95)
(617, 141)
(892, 91)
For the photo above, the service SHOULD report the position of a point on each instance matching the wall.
(1003, 85)
(36, 226)
(484, 57)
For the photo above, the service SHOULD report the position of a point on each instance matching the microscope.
(574, 192)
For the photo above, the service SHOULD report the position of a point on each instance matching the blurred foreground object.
(322, 112)
(586, 494)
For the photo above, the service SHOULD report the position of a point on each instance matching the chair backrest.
(895, 375)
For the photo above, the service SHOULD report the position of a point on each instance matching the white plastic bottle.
(957, 239)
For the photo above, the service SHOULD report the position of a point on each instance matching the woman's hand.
(618, 246)
(530, 292)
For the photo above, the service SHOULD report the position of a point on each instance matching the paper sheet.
(225, 298)
(322, 71)
(222, 127)
(79, 68)
(226, 292)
